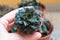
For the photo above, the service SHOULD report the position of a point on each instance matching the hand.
(6, 22)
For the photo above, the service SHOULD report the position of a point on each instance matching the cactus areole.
(28, 20)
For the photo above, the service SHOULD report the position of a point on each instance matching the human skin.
(6, 23)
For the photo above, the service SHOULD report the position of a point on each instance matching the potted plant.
(26, 21)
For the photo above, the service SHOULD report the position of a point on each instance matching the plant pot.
(48, 37)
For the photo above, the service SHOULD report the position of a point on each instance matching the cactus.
(28, 20)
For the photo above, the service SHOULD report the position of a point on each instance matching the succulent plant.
(28, 20)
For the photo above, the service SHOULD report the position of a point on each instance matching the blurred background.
(52, 12)
(51, 5)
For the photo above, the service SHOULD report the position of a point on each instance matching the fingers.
(10, 16)
(5, 20)
(2, 29)
(10, 26)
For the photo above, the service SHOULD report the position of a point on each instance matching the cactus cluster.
(28, 20)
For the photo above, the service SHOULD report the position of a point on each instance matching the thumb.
(34, 36)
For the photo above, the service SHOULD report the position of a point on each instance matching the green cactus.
(28, 20)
